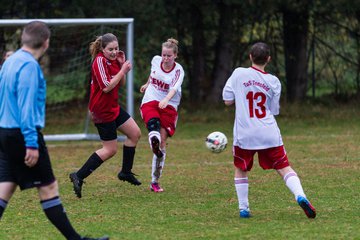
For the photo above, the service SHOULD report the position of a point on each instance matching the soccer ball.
(216, 142)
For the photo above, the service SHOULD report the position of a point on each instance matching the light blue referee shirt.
(22, 96)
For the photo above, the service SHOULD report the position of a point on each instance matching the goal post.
(9, 30)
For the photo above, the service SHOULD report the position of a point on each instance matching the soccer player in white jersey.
(160, 103)
(256, 95)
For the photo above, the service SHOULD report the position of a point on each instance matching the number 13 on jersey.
(259, 98)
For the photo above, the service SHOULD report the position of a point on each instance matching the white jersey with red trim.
(256, 95)
(161, 82)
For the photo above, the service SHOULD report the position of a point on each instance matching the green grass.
(199, 201)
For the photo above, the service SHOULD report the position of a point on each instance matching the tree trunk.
(196, 89)
(295, 27)
(223, 54)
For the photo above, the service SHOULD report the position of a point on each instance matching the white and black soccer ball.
(216, 142)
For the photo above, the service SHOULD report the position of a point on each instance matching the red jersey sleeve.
(100, 72)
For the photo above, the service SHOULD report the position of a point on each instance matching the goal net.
(67, 65)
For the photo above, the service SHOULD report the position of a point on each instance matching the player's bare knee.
(110, 152)
(48, 191)
(136, 135)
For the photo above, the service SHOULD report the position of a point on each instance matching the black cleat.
(129, 177)
(102, 238)
(155, 145)
(77, 184)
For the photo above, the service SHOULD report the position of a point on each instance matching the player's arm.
(174, 86)
(164, 102)
(121, 59)
(27, 101)
(144, 87)
(275, 101)
(119, 77)
(228, 93)
(228, 103)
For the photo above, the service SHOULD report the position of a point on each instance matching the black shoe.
(102, 238)
(77, 184)
(129, 177)
(155, 145)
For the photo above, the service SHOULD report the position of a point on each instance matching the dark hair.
(100, 43)
(260, 53)
(172, 43)
(34, 34)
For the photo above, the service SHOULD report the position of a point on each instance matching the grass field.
(199, 202)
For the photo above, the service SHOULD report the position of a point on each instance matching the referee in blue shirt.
(24, 159)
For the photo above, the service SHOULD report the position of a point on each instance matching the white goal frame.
(129, 53)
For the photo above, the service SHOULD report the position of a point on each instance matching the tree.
(295, 29)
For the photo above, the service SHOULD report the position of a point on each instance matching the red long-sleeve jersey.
(104, 107)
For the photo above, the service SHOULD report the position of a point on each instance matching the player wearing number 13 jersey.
(256, 95)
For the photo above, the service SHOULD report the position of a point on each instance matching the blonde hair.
(172, 43)
(100, 43)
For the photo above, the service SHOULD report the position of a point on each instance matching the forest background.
(315, 45)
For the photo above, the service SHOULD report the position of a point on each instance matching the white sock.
(152, 134)
(292, 181)
(157, 166)
(242, 191)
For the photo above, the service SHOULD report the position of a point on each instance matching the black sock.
(56, 214)
(128, 159)
(3, 205)
(91, 164)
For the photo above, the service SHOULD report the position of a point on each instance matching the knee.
(153, 125)
(137, 134)
(110, 152)
(49, 191)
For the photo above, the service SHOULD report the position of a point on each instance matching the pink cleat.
(155, 187)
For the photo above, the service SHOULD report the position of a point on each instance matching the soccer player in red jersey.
(109, 68)
(160, 103)
(256, 95)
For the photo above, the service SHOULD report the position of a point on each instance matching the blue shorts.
(108, 131)
(12, 165)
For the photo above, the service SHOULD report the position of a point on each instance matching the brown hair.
(34, 34)
(100, 43)
(260, 53)
(172, 43)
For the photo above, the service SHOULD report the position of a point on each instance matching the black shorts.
(12, 165)
(108, 130)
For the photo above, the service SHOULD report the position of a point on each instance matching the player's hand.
(126, 67)
(31, 157)
(121, 57)
(163, 103)
(144, 87)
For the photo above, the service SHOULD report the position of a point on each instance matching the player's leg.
(154, 136)
(108, 135)
(242, 191)
(7, 189)
(243, 161)
(277, 159)
(55, 212)
(292, 181)
(12, 148)
(133, 133)
(158, 164)
(109, 149)
(150, 114)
